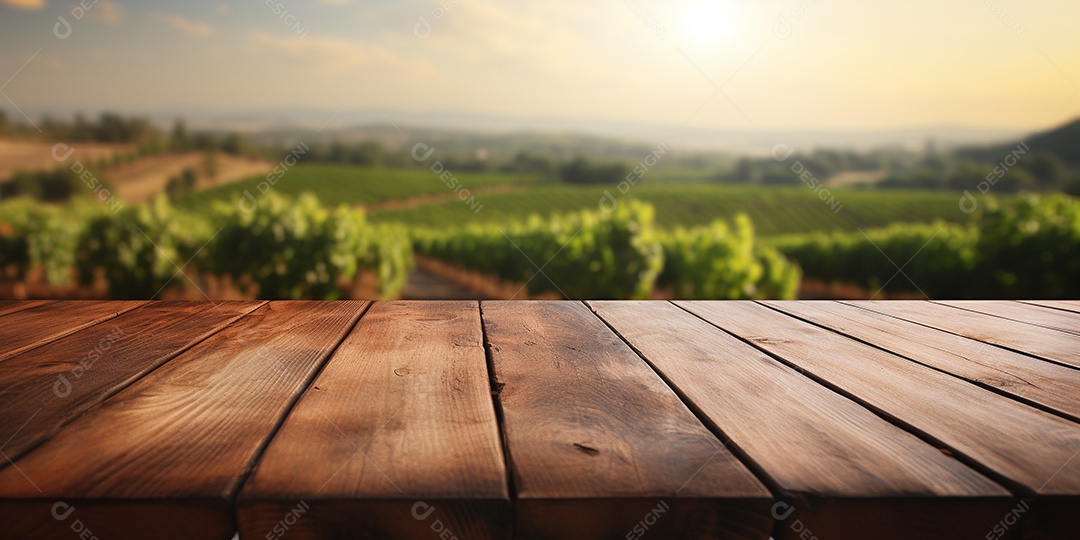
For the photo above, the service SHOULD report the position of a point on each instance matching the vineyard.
(1023, 248)
(299, 249)
(342, 184)
(282, 249)
(594, 254)
(774, 210)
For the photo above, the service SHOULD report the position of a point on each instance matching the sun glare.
(707, 24)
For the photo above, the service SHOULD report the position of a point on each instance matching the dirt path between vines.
(141, 180)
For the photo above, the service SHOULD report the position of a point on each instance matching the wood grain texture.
(1045, 384)
(839, 466)
(405, 419)
(1062, 305)
(598, 442)
(181, 438)
(838, 409)
(38, 325)
(1021, 312)
(1029, 447)
(15, 306)
(53, 384)
(1053, 345)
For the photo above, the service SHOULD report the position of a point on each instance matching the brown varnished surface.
(40, 324)
(586, 419)
(404, 416)
(15, 306)
(187, 432)
(539, 419)
(1045, 384)
(49, 387)
(818, 446)
(1021, 312)
(1061, 347)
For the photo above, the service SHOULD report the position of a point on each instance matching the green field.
(774, 210)
(342, 184)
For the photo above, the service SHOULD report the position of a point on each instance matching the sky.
(792, 64)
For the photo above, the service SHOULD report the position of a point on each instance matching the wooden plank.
(1060, 347)
(846, 472)
(15, 306)
(1063, 305)
(47, 388)
(405, 422)
(1030, 450)
(169, 452)
(597, 442)
(41, 324)
(1024, 313)
(1044, 384)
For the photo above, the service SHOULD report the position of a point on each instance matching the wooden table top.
(599, 419)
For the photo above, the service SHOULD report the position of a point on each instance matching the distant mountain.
(641, 134)
(1063, 142)
(467, 143)
(385, 124)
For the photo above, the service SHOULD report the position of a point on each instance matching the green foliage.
(1026, 248)
(54, 185)
(109, 128)
(582, 171)
(299, 249)
(1031, 248)
(142, 249)
(774, 210)
(588, 254)
(36, 235)
(340, 184)
(390, 255)
(935, 258)
(289, 249)
(722, 262)
(182, 183)
(619, 255)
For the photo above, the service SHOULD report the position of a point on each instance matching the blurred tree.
(1072, 187)
(83, 130)
(745, 172)
(582, 171)
(968, 175)
(1047, 169)
(210, 165)
(1014, 180)
(236, 144)
(526, 162)
(368, 153)
(337, 153)
(178, 138)
(777, 174)
(205, 141)
(182, 183)
(57, 185)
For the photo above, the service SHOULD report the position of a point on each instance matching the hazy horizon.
(706, 67)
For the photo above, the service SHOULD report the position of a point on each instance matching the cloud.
(107, 11)
(187, 26)
(329, 54)
(531, 37)
(24, 4)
